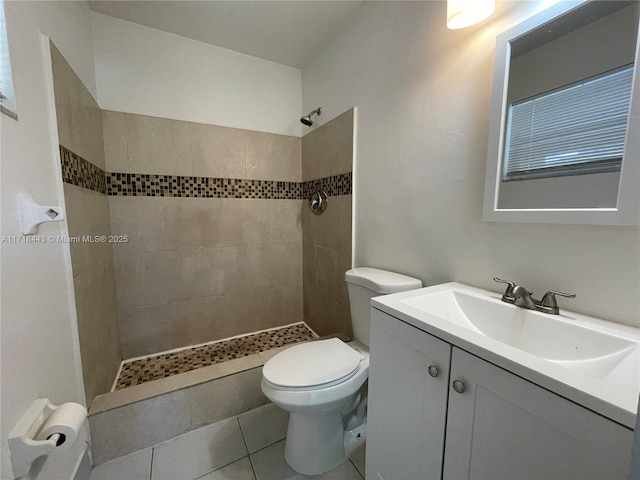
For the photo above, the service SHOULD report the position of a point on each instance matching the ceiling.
(286, 32)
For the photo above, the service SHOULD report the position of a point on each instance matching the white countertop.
(614, 396)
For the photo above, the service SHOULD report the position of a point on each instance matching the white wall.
(40, 351)
(423, 94)
(149, 72)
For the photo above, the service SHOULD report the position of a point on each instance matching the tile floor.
(247, 447)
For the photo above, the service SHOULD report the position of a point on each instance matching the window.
(7, 97)
(574, 130)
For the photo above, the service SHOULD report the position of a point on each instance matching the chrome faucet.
(521, 297)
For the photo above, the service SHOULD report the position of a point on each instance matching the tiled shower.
(209, 234)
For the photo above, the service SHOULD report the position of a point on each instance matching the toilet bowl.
(322, 383)
(317, 399)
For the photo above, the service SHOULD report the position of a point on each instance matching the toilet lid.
(311, 364)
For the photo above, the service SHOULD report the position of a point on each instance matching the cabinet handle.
(433, 371)
(458, 386)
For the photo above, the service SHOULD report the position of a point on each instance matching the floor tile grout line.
(244, 440)
(253, 470)
(267, 446)
(153, 451)
(221, 467)
(357, 470)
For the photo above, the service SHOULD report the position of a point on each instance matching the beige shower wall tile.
(78, 115)
(340, 293)
(296, 159)
(245, 269)
(285, 221)
(115, 142)
(61, 78)
(245, 221)
(275, 265)
(97, 328)
(336, 319)
(171, 325)
(314, 311)
(342, 129)
(225, 397)
(95, 290)
(198, 321)
(324, 269)
(87, 124)
(271, 157)
(158, 145)
(141, 219)
(146, 330)
(248, 312)
(87, 215)
(332, 229)
(135, 393)
(153, 278)
(222, 270)
(139, 425)
(217, 151)
(328, 150)
(192, 222)
(287, 304)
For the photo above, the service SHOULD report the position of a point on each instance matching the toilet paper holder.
(24, 446)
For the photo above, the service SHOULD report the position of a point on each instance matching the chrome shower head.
(306, 120)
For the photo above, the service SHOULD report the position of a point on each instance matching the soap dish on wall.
(33, 214)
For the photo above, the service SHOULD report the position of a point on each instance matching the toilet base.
(317, 444)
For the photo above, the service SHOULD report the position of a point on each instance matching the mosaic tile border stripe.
(155, 367)
(149, 185)
(78, 171)
(333, 186)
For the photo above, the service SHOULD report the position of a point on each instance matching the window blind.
(574, 130)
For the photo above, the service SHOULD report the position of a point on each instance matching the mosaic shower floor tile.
(155, 367)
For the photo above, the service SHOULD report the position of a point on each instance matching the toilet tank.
(363, 284)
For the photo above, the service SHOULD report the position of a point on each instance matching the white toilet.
(320, 383)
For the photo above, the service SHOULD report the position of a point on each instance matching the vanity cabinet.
(490, 424)
(407, 406)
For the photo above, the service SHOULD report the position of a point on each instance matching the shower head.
(306, 120)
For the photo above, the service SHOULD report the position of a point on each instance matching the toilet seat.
(317, 364)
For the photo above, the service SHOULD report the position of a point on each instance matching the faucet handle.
(549, 300)
(508, 293)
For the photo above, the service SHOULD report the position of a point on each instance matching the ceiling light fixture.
(464, 13)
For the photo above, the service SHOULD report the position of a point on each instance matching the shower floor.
(154, 367)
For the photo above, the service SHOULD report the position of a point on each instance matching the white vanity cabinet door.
(407, 406)
(504, 427)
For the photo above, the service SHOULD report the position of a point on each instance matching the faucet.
(521, 297)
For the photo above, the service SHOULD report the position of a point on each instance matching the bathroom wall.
(214, 233)
(40, 355)
(326, 152)
(149, 72)
(79, 121)
(423, 95)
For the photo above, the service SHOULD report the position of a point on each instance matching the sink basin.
(556, 338)
(591, 361)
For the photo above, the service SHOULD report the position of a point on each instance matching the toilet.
(322, 383)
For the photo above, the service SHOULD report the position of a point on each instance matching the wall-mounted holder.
(33, 214)
(43, 428)
(318, 201)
